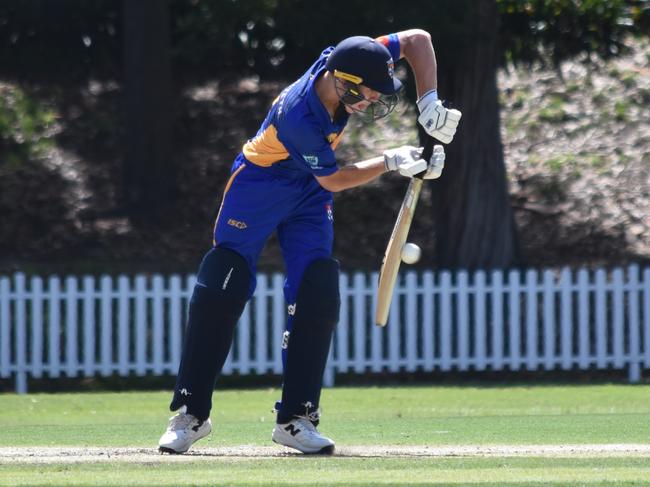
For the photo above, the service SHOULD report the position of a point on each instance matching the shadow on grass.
(473, 379)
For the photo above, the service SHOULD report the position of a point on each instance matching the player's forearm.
(354, 175)
(418, 51)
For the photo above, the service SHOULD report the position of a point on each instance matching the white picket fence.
(552, 320)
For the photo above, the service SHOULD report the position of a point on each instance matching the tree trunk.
(475, 227)
(148, 171)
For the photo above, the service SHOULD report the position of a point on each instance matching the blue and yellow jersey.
(298, 134)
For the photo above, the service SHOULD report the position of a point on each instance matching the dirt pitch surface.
(13, 455)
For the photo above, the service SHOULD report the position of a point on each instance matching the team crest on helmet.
(391, 67)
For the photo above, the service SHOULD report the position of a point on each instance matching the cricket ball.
(411, 253)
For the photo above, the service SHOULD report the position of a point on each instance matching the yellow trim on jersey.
(225, 192)
(334, 139)
(265, 148)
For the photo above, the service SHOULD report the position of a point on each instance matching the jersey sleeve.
(306, 143)
(391, 41)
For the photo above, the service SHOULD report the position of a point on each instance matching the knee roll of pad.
(225, 272)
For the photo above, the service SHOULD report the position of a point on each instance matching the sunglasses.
(350, 94)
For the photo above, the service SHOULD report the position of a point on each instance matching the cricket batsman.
(283, 180)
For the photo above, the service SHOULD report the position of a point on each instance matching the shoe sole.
(164, 449)
(326, 450)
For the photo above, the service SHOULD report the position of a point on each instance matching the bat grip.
(427, 152)
(428, 149)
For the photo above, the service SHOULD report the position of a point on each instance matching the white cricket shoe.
(183, 430)
(301, 434)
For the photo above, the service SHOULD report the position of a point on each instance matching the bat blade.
(393, 254)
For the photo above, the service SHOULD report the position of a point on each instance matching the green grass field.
(448, 422)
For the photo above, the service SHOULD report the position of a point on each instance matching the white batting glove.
(436, 163)
(406, 160)
(438, 121)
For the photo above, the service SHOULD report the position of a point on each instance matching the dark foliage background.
(62, 75)
(73, 38)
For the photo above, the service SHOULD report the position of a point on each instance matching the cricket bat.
(393, 255)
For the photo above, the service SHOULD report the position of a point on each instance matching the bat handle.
(428, 149)
(427, 152)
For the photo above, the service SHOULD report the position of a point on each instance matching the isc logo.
(237, 224)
